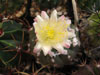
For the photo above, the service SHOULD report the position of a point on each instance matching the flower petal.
(51, 53)
(62, 17)
(44, 15)
(67, 43)
(35, 19)
(37, 47)
(34, 24)
(60, 49)
(76, 29)
(68, 21)
(75, 42)
(46, 49)
(71, 33)
(39, 18)
(53, 16)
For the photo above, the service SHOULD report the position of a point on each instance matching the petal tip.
(44, 15)
(39, 18)
(55, 11)
(68, 22)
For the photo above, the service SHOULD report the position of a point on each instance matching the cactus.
(93, 29)
(57, 51)
(10, 41)
(91, 68)
(89, 5)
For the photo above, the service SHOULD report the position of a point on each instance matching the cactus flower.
(52, 32)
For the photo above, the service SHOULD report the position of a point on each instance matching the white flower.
(52, 33)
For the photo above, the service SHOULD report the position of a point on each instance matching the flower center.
(50, 34)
